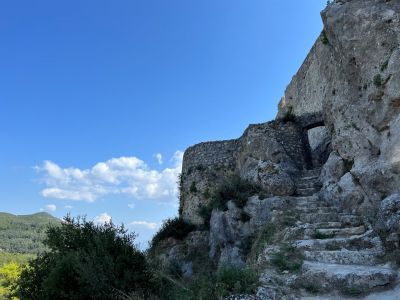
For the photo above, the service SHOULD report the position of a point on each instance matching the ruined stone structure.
(329, 167)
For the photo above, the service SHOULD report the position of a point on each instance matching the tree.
(9, 274)
(86, 261)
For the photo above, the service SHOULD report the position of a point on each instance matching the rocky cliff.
(322, 212)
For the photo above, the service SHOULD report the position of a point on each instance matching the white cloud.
(124, 175)
(148, 225)
(103, 218)
(68, 207)
(131, 205)
(51, 207)
(159, 158)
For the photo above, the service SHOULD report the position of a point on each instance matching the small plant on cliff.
(176, 228)
(287, 259)
(265, 236)
(205, 211)
(236, 189)
(322, 236)
(227, 280)
(324, 38)
(193, 188)
(378, 81)
(289, 116)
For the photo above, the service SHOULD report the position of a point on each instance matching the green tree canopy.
(9, 274)
(86, 261)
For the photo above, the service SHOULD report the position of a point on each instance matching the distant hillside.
(24, 234)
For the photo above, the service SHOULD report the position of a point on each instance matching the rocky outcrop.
(269, 154)
(328, 168)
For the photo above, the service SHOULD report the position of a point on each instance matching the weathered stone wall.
(307, 90)
(352, 78)
(268, 154)
(210, 154)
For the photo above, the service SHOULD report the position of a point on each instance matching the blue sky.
(98, 98)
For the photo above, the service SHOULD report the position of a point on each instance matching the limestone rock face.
(352, 78)
(338, 126)
(268, 154)
(229, 229)
(389, 221)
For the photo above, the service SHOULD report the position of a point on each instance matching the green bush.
(225, 281)
(86, 261)
(324, 38)
(322, 236)
(193, 188)
(233, 188)
(236, 189)
(176, 228)
(264, 236)
(287, 259)
(378, 80)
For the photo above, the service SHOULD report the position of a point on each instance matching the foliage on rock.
(176, 228)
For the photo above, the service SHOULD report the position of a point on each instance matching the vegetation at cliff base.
(86, 261)
(218, 284)
(176, 228)
(233, 188)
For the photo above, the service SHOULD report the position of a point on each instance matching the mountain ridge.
(24, 233)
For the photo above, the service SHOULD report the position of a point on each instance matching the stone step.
(312, 172)
(325, 225)
(306, 192)
(350, 220)
(313, 204)
(344, 257)
(368, 240)
(305, 180)
(334, 232)
(316, 210)
(348, 277)
(307, 185)
(305, 199)
(317, 218)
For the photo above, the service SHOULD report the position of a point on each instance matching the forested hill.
(25, 233)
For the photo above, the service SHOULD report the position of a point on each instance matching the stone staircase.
(339, 251)
(308, 182)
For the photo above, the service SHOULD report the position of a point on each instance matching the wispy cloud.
(124, 175)
(131, 205)
(50, 207)
(148, 225)
(159, 158)
(103, 218)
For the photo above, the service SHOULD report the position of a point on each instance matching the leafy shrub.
(287, 259)
(321, 236)
(206, 193)
(176, 228)
(86, 261)
(234, 188)
(324, 38)
(312, 288)
(193, 188)
(288, 117)
(215, 285)
(384, 65)
(378, 81)
(9, 274)
(205, 211)
(263, 237)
